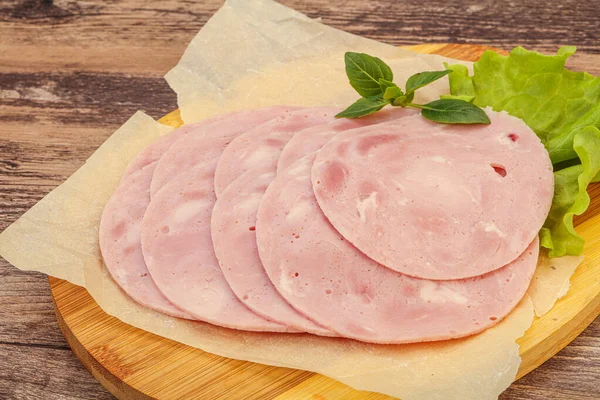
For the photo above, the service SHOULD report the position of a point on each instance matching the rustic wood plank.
(569, 375)
(29, 373)
(26, 312)
(134, 36)
(81, 98)
(146, 37)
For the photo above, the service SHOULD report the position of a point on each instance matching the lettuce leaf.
(562, 107)
(461, 84)
(555, 102)
(570, 196)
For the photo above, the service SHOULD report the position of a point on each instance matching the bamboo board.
(134, 364)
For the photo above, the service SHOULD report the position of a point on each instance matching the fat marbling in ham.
(263, 145)
(178, 250)
(195, 149)
(154, 151)
(326, 278)
(437, 201)
(312, 139)
(120, 242)
(233, 233)
(234, 218)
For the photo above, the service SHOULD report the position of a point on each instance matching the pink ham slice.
(234, 240)
(234, 218)
(312, 139)
(120, 225)
(263, 145)
(178, 250)
(193, 151)
(437, 201)
(152, 153)
(120, 242)
(327, 279)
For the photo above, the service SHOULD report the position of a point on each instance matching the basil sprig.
(373, 80)
(366, 72)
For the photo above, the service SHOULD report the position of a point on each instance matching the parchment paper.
(551, 280)
(59, 235)
(254, 53)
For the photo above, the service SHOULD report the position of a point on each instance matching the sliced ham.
(437, 201)
(178, 251)
(234, 218)
(120, 225)
(120, 242)
(312, 139)
(264, 144)
(152, 153)
(195, 149)
(326, 278)
(233, 234)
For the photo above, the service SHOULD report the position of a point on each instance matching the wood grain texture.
(65, 65)
(20, 380)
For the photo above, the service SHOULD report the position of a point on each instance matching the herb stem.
(421, 106)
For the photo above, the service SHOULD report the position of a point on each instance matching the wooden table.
(65, 65)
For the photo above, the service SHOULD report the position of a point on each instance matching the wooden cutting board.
(134, 364)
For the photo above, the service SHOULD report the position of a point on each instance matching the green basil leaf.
(421, 79)
(403, 101)
(451, 111)
(364, 106)
(365, 71)
(463, 97)
(392, 92)
(384, 84)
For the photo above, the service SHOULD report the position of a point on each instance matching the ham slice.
(178, 250)
(326, 278)
(264, 144)
(154, 151)
(234, 216)
(120, 225)
(437, 201)
(195, 149)
(120, 242)
(312, 139)
(234, 240)
(234, 219)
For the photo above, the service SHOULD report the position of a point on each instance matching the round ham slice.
(234, 218)
(326, 278)
(178, 251)
(152, 153)
(437, 201)
(120, 225)
(234, 240)
(312, 139)
(120, 242)
(195, 149)
(263, 145)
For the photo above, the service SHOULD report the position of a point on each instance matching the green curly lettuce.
(570, 196)
(562, 107)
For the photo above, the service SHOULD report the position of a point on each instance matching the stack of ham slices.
(384, 229)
